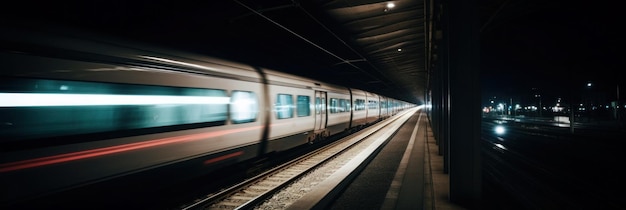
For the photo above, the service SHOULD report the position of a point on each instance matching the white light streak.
(500, 146)
(51, 99)
(177, 62)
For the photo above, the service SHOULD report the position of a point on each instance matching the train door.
(320, 110)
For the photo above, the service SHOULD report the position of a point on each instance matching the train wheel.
(326, 134)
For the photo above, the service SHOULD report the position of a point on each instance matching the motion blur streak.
(217, 159)
(19, 165)
(177, 62)
(48, 99)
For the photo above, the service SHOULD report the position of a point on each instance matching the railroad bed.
(311, 180)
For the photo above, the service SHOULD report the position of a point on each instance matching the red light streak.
(37, 162)
(224, 157)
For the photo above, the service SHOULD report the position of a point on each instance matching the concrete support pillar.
(462, 35)
(440, 84)
(445, 92)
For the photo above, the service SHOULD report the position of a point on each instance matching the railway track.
(538, 168)
(311, 174)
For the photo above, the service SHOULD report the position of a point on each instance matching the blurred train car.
(75, 112)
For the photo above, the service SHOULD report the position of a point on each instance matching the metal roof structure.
(367, 44)
(370, 45)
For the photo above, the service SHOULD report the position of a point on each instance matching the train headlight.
(499, 130)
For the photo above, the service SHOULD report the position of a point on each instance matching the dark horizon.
(555, 48)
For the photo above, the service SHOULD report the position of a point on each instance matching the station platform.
(406, 174)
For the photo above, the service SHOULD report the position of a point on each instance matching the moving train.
(77, 111)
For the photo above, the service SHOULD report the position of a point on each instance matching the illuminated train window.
(40, 108)
(334, 105)
(320, 105)
(345, 105)
(373, 105)
(359, 104)
(284, 106)
(243, 107)
(304, 106)
(339, 105)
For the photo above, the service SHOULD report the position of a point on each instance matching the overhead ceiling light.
(390, 5)
(399, 49)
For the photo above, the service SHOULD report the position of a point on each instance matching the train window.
(243, 107)
(304, 106)
(339, 105)
(359, 104)
(334, 105)
(318, 105)
(344, 105)
(373, 105)
(284, 106)
(40, 108)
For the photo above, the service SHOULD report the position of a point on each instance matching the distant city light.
(399, 49)
(499, 130)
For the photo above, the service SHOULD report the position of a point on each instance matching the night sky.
(555, 47)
